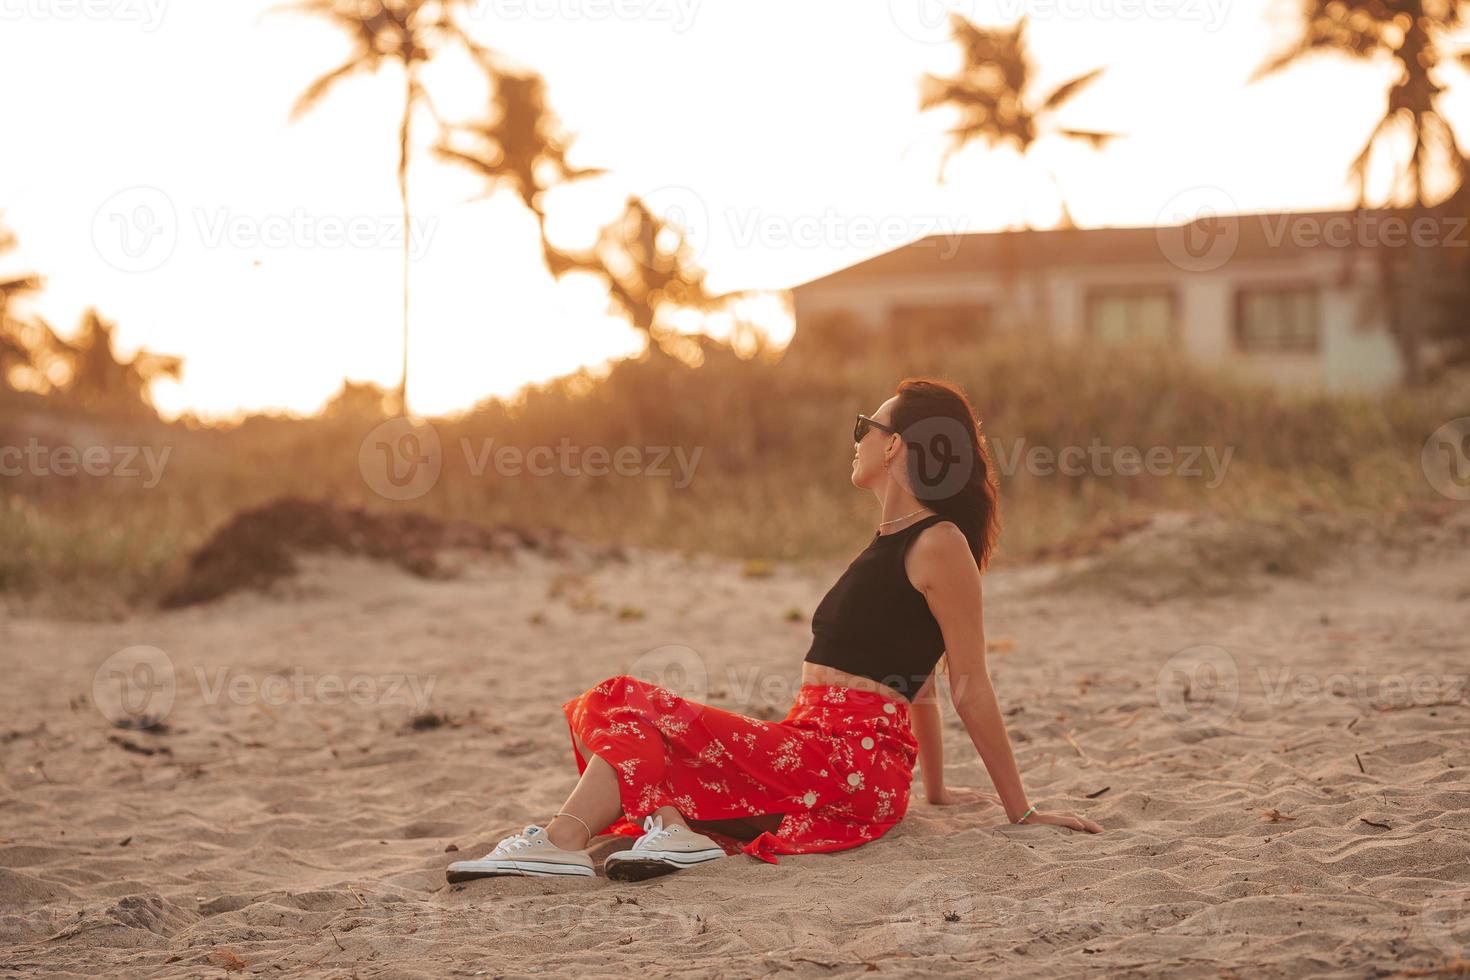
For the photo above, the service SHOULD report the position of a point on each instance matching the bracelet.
(1026, 814)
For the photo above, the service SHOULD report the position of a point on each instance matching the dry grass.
(771, 479)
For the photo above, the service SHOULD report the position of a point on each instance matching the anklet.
(563, 813)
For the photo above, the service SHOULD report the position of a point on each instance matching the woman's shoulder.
(941, 546)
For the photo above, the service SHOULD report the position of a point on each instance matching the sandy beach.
(1283, 775)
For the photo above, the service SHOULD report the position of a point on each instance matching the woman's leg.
(597, 802)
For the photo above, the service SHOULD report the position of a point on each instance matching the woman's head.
(927, 439)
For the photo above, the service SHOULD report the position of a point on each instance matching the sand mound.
(259, 546)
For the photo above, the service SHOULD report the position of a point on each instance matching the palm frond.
(1066, 90)
(318, 89)
(1095, 139)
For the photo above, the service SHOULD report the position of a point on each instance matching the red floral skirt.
(838, 767)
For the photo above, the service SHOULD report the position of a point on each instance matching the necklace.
(905, 517)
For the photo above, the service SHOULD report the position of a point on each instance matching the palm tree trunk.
(403, 132)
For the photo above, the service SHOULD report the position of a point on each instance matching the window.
(1131, 314)
(939, 325)
(1277, 318)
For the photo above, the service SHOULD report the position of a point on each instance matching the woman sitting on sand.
(837, 770)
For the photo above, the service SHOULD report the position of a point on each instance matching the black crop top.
(874, 623)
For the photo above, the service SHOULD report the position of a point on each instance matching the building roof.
(1259, 235)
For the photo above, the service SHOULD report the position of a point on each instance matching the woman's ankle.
(567, 834)
(671, 817)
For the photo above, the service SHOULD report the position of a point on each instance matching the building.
(1288, 297)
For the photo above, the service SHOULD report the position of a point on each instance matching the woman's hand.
(962, 794)
(1069, 820)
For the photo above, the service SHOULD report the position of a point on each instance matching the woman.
(836, 772)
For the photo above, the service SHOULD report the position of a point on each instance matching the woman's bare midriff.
(822, 674)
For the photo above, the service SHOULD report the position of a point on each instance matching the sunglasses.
(861, 427)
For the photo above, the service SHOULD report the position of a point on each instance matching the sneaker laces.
(655, 832)
(514, 842)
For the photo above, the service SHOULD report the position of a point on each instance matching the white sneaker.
(659, 851)
(529, 854)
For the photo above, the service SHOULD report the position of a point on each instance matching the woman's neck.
(896, 503)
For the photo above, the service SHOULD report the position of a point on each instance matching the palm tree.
(407, 33)
(649, 271)
(102, 380)
(1413, 35)
(519, 145)
(17, 337)
(992, 93)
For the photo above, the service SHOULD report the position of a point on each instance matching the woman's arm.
(929, 730)
(941, 566)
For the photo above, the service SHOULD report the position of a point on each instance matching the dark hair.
(949, 465)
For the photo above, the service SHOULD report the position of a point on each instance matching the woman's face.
(868, 455)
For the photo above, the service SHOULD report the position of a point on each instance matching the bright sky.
(788, 133)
